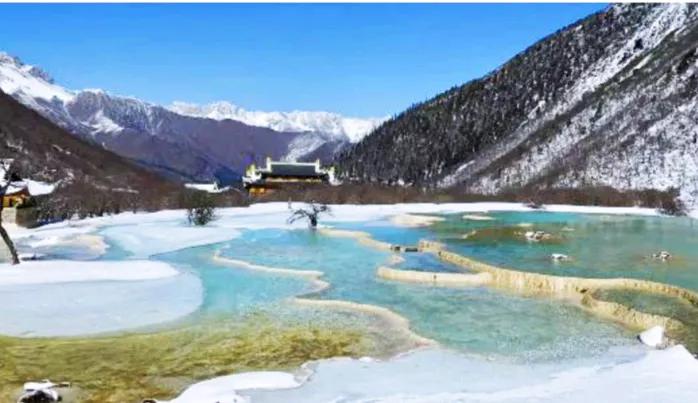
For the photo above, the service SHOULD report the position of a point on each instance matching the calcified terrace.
(578, 290)
(575, 289)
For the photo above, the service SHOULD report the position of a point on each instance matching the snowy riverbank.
(435, 375)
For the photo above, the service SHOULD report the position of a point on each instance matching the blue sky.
(355, 59)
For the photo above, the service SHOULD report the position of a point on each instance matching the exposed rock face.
(609, 100)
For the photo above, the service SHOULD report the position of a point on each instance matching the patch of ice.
(409, 220)
(148, 239)
(624, 375)
(69, 271)
(224, 389)
(93, 307)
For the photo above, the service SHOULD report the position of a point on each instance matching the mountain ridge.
(544, 117)
(331, 124)
(43, 151)
(182, 147)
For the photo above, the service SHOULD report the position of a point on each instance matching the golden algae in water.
(663, 305)
(131, 367)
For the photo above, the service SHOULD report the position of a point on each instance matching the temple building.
(281, 174)
(17, 195)
(16, 192)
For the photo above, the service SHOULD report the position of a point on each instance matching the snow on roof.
(35, 188)
(38, 188)
(15, 187)
(294, 169)
(206, 187)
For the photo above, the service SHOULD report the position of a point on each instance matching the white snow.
(304, 145)
(28, 386)
(93, 307)
(38, 188)
(17, 79)
(224, 389)
(438, 375)
(102, 124)
(35, 188)
(148, 239)
(69, 298)
(206, 187)
(653, 337)
(69, 271)
(296, 121)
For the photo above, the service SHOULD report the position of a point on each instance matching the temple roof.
(293, 169)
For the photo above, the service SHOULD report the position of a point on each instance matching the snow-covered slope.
(611, 100)
(178, 142)
(29, 82)
(332, 124)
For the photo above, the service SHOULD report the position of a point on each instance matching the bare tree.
(6, 169)
(311, 212)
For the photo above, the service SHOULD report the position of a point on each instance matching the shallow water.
(601, 246)
(477, 320)
(420, 261)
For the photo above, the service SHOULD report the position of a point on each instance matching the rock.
(537, 236)
(39, 396)
(662, 255)
(559, 257)
(41, 392)
(469, 234)
(653, 337)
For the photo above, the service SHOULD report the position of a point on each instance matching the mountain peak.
(6, 58)
(34, 71)
(332, 124)
(30, 84)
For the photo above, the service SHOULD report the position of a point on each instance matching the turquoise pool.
(603, 246)
(475, 320)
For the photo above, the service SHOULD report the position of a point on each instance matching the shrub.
(201, 208)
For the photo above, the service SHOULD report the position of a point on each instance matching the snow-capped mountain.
(52, 157)
(331, 124)
(181, 142)
(611, 100)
